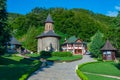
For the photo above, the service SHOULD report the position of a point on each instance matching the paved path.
(59, 71)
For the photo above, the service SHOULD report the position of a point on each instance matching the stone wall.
(45, 43)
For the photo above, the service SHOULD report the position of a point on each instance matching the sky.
(107, 7)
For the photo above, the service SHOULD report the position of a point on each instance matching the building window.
(109, 52)
(77, 45)
(104, 53)
(69, 45)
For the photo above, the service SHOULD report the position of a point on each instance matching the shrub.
(24, 76)
(45, 54)
(100, 58)
(62, 54)
(117, 65)
(81, 75)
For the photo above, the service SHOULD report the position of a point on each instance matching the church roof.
(13, 40)
(50, 33)
(49, 19)
(72, 39)
(108, 46)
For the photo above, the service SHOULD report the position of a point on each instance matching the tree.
(4, 29)
(114, 33)
(117, 43)
(96, 44)
(29, 38)
(114, 36)
(38, 10)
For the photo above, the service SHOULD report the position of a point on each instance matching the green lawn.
(108, 68)
(13, 67)
(34, 55)
(72, 58)
(95, 77)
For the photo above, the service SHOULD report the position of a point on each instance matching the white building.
(74, 45)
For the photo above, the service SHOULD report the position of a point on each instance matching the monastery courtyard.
(60, 71)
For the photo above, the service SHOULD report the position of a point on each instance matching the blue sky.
(107, 7)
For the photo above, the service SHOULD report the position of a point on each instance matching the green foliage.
(100, 57)
(19, 26)
(45, 54)
(114, 37)
(77, 22)
(62, 35)
(38, 10)
(81, 75)
(96, 43)
(114, 33)
(4, 28)
(12, 17)
(29, 39)
(22, 23)
(62, 54)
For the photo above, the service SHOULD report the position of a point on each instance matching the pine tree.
(30, 42)
(4, 30)
(96, 44)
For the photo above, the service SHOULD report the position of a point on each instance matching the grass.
(12, 57)
(34, 55)
(108, 68)
(12, 72)
(96, 77)
(75, 57)
(13, 67)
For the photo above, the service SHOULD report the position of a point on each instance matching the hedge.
(81, 75)
(45, 54)
(62, 54)
(35, 66)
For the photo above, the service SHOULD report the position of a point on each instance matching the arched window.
(49, 27)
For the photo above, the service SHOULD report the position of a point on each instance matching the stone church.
(48, 40)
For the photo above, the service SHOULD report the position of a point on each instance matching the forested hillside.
(79, 22)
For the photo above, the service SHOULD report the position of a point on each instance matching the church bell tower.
(49, 24)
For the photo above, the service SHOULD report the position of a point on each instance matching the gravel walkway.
(59, 71)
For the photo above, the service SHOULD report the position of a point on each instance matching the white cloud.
(115, 12)
(112, 13)
(117, 8)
